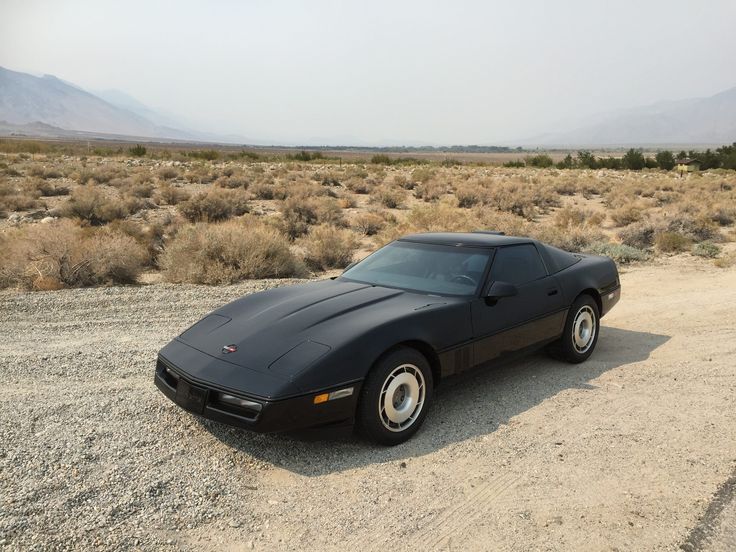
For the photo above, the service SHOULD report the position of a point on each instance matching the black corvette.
(368, 347)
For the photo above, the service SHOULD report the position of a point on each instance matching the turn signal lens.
(339, 394)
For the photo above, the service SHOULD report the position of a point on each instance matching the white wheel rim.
(402, 397)
(583, 329)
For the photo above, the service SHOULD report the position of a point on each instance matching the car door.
(534, 315)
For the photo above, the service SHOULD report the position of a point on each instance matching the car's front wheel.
(395, 397)
(581, 331)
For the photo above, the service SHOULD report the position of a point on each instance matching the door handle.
(552, 292)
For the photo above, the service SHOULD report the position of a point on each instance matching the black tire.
(397, 366)
(569, 348)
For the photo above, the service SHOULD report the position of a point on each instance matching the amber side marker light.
(339, 394)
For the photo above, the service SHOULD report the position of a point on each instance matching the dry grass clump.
(44, 172)
(171, 195)
(100, 175)
(299, 213)
(90, 204)
(13, 198)
(359, 185)
(228, 252)
(575, 239)
(671, 242)
(61, 254)
(327, 247)
(391, 198)
(573, 216)
(694, 227)
(627, 214)
(368, 224)
(469, 195)
(268, 190)
(639, 234)
(214, 206)
(168, 173)
(48, 189)
(431, 190)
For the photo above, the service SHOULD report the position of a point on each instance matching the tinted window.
(423, 267)
(517, 265)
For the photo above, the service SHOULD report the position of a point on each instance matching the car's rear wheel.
(580, 335)
(395, 397)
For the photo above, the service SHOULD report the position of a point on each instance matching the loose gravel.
(622, 452)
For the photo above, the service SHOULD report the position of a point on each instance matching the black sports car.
(369, 346)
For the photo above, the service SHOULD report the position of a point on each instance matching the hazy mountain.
(26, 99)
(709, 120)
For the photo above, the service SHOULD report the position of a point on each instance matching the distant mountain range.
(709, 120)
(50, 107)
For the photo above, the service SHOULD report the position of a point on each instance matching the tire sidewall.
(368, 418)
(568, 347)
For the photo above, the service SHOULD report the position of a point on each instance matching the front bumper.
(261, 415)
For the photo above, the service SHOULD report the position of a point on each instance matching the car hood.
(278, 329)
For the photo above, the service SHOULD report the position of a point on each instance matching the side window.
(517, 264)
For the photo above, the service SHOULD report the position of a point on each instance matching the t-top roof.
(471, 239)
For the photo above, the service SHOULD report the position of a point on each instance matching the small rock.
(402, 465)
(234, 523)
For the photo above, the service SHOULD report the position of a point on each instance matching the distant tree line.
(634, 160)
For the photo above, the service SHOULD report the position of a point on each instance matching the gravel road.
(623, 452)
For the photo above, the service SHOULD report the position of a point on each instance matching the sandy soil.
(623, 452)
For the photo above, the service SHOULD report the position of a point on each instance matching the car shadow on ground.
(464, 407)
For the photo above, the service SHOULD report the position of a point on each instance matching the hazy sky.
(379, 72)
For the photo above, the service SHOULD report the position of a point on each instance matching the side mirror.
(501, 289)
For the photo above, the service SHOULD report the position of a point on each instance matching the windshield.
(427, 268)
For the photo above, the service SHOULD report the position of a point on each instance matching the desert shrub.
(391, 198)
(628, 214)
(44, 172)
(328, 247)
(61, 254)
(573, 216)
(168, 173)
(469, 195)
(101, 175)
(431, 190)
(214, 206)
(565, 187)
(726, 261)
(171, 195)
(639, 235)
(723, 216)
(574, 239)
(695, 227)
(620, 253)
(299, 213)
(46, 188)
(359, 185)
(706, 249)
(232, 181)
(671, 242)
(422, 174)
(228, 252)
(13, 198)
(381, 159)
(368, 224)
(137, 151)
(90, 204)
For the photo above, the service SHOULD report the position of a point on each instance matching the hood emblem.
(229, 349)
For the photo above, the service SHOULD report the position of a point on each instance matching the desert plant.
(671, 242)
(228, 252)
(92, 205)
(299, 213)
(368, 224)
(391, 198)
(706, 249)
(61, 254)
(214, 206)
(626, 215)
(137, 151)
(171, 195)
(619, 252)
(328, 247)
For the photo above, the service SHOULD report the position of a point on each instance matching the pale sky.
(378, 72)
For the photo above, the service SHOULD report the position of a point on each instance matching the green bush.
(619, 252)
(137, 151)
(671, 242)
(706, 249)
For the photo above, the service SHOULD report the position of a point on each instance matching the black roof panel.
(471, 239)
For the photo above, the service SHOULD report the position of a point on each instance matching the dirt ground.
(633, 450)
